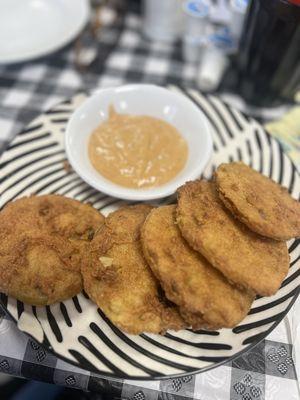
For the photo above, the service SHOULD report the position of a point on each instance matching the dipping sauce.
(137, 151)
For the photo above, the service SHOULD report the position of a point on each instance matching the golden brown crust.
(187, 278)
(244, 257)
(118, 279)
(42, 240)
(260, 203)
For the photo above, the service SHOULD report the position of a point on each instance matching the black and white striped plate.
(75, 329)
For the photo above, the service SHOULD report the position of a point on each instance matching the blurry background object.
(105, 13)
(238, 12)
(196, 17)
(268, 61)
(214, 60)
(287, 130)
(34, 28)
(220, 12)
(162, 19)
(195, 28)
(211, 35)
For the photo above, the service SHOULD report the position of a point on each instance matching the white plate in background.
(34, 28)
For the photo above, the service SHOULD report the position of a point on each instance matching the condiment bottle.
(268, 61)
(196, 13)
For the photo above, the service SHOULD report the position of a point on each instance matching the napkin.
(294, 327)
(287, 130)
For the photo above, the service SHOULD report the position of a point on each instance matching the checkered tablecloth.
(267, 372)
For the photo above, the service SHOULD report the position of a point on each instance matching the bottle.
(196, 18)
(268, 62)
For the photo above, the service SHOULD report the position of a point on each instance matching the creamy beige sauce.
(137, 151)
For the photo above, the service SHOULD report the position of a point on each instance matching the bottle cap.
(196, 8)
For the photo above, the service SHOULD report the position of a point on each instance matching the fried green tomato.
(245, 258)
(257, 201)
(42, 242)
(187, 278)
(118, 279)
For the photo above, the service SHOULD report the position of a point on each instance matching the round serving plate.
(35, 28)
(75, 330)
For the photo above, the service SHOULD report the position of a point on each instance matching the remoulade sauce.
(137, 151)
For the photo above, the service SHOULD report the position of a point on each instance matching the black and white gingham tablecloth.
(267, 372)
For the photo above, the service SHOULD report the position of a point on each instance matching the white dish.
(139, 99)
(33, 28)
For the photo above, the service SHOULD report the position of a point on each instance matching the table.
(267, 372)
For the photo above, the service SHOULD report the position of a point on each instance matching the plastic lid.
(242, 4)
(196, 8)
